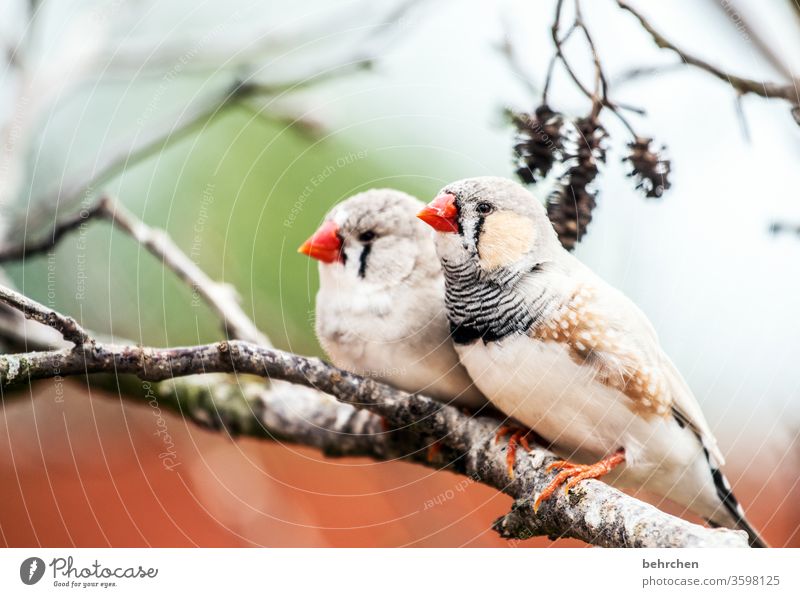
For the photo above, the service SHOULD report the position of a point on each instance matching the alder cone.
(649, 168)
(538, 142)
(570, 206)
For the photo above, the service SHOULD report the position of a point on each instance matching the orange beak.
(441, 214)
(324, 245)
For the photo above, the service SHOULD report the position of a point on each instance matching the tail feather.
(731, 514)
(732, 508)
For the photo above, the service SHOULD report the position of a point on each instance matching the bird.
(553, 345)
(380, 306)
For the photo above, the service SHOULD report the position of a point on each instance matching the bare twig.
(741, 23)
(780, 227)
(16, 252)
(560, 51)
(638, 72)
(766, 89)
(598, 100)
(601, 85)
(65, 325)
(742, 118)
(551, 65)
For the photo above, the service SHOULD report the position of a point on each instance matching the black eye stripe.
(367, 236)
(362, 260)
(458, 215)
(477, 233)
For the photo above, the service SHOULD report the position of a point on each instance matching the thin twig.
(766, 89)
(17, 252)
(742, 117)
(601, 85)
(64, 324)
(781, 227)
(740, 22)
(551, 65)
(638, 72)
(597, 102)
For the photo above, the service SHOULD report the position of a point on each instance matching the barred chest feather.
(489, 309)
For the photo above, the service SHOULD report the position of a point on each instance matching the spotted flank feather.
(595, 341)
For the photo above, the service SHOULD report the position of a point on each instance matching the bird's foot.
(571, 474)
(516, 437)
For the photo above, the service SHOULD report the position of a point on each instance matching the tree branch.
(20, 251)
(764, 89)
(65, 325)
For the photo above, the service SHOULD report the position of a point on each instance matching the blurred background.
(236, 125)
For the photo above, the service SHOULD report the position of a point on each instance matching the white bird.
(380, 306)
(551, 344)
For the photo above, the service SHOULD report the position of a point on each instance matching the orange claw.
(516, 437)
(571, 474)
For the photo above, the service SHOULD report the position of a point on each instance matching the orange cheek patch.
(504, 239)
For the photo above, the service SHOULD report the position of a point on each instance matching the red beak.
(324, 245)
(441, 214)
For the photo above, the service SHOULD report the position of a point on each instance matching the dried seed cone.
(538, 142)
(649, 167)
(571, 205)
(570, 211)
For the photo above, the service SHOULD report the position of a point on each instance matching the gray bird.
(551, 344)
(380, 306)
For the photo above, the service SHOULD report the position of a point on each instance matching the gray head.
(373, 237)
(492, 221)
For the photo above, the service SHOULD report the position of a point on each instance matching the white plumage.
(380, 307)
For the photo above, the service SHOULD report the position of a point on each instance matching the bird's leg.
(571, 474)
(516, 436)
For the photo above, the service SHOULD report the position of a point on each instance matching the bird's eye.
(367, 236)
(484, 208)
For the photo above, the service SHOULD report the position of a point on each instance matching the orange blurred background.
(86, 472)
